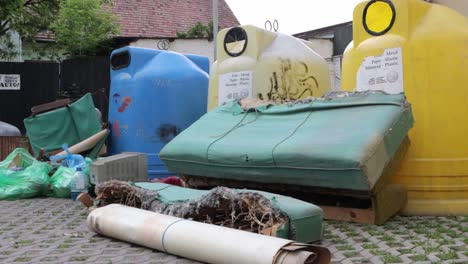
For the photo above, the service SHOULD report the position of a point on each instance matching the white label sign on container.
(10, 82)
(234, 85)
(382, 73)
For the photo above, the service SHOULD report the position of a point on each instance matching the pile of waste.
(22, 176)
(247, 210)
(52, 169)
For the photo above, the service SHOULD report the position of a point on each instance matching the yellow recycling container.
(421, 49)
(255, 63)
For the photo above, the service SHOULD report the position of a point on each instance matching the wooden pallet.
(371, 207)
(8, 144)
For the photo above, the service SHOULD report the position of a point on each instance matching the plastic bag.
(18, 158)
(60, 181)
(21, 176)
(70, 160)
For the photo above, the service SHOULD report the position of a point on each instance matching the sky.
(294, 16)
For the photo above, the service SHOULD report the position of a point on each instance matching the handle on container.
(50, 106)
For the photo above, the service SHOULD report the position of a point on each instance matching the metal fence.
(43, 82)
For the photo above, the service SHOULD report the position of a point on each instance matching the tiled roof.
(163, 18)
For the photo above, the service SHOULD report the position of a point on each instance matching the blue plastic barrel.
(154, 95)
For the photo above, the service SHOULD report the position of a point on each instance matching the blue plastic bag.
(72, 161)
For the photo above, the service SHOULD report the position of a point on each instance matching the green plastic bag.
(21, 176)
(17, 158)
(59, 186)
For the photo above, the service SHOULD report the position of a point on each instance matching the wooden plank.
(364, 216)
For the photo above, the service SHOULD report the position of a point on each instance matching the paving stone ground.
(54, 231)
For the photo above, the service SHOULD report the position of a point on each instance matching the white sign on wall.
(384, 72)
(234, 85)
(10, 82)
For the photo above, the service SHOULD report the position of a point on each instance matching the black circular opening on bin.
(388, 20)
(235, 41)
(120, 60)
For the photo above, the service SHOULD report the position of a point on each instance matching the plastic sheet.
(199, 241)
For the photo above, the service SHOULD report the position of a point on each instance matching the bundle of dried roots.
(123, 193)
(244, 210)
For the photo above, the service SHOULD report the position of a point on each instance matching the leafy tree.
(198, 31)
(91, 22)
(83, 26)
(27, 18)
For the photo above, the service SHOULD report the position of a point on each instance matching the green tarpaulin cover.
(338, 142)
(70, 125)
(306, 218)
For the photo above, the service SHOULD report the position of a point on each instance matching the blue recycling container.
(154, 95)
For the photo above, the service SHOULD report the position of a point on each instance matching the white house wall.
(15, 38)
(324, 47)
(192, 46)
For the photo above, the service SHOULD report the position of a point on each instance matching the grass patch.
(352, 234)
(405, 251)
(23, 242)
(449, 255)
(428, 248)
(360, 239)
(420, 230)
(446, 242)
(388, 237)
(338, 241)
(377, 252)
(369, 246)
(6, 253)
(345, 247)
(345, 229)
(349, 254)
(68, 241)
(418, 243)
(390, 227)
(418, 258)
(23, 259)
(79, 258)
(375, 233)
(394, 244)
(64, 246)
(435, 235)
(457, 248)
(389, 258)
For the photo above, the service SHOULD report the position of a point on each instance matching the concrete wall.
(324, 47)
(334, 64)
(191, 46)
(459, 5)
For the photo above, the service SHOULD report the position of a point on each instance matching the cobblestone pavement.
(54, 231)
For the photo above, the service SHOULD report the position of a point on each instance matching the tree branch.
(4, 27)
